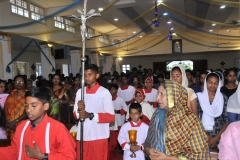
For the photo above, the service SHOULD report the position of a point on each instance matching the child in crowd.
(97, 110)
(135, 123)
(150, 93)
(120, 108)
(39, 137)
(147, 109)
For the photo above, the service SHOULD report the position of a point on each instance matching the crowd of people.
(181, 114)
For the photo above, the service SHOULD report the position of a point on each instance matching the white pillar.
(5, 57)
(118, 65)
(95, 59)
(75, 61)
(46, 67)
(108, 61)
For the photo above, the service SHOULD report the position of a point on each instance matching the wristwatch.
(45, 156)
(91, 115)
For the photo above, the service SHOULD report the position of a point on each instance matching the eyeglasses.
(19, 82)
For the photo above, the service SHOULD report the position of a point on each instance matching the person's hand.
(34, 152)
(81, 110)
(81, 105)
(212, 141)
(158, 155)
(11, 125)
(135, 148)
(151, 152)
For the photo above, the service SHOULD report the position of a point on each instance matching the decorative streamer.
(170, 32)
(8, 69)
(156, 21)
(42, 19)
(197, 29)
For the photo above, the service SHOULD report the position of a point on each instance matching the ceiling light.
(210, 30)
(174, 34)
(172, 29)
(119, 58)
(159, 1)
(223, 6)
(50, 45)
(115, 19)
(213, 24)
(134, 32)
(165, 13)
(228, 30)
(100, 53)
(140, 36)
(100, 9)
(169, 22)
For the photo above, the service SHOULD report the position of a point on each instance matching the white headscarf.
(210, 111)
(184, 76)
(233, 104)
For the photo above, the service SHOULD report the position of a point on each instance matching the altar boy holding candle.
(135, 123)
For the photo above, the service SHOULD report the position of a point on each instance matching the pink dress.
(3, 97)
(229, 146)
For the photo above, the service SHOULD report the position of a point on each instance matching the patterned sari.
(14, 107)
(177, 132)
(56, 101)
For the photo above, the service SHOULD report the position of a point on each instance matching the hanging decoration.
(170, 32)
(156, 21)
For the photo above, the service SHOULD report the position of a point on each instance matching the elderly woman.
(174, 131)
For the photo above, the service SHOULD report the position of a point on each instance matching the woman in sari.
(59, 100)
(15, 105)
(174, 131)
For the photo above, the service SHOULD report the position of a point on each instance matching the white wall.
(214, 59)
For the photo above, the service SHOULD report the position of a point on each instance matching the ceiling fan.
(127, 49)
(217, 44)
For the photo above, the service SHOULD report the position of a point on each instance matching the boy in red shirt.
(39, 137)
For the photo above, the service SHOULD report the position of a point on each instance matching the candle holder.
(133, 140)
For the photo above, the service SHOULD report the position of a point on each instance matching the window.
(25, 9)
(125, 67)
(20, 67)
(63, 23)
(20, 7)
(186, 63)
(90, 33)
(36, 12)
(68, 26)
(38, 69)
(103, 39)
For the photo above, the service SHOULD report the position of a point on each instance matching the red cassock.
(51, 136)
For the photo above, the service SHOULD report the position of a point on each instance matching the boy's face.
(35, 109)
(90, 76)
(138, 97)
(124, 80)
(113, 91)
(135, 115)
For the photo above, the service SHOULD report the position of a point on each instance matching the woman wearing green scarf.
(174, 131)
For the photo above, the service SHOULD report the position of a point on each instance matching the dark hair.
(134, 69)
(113, 85)
(136, 106)
(114, 79)
(2, 81)
(226, 73)
(189, 71)
(205, 72)
(43, 83)
(160, 76)
(92, 67)
(177, 68)
(41, 93)
(124, 75)
(213, 75)
(149, 69)
(20, 76)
